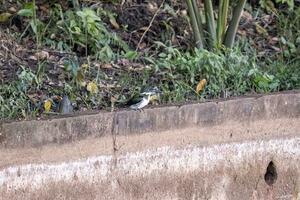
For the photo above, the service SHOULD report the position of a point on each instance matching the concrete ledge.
(38, 133)
(194, 172)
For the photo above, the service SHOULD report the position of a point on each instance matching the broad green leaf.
(33, 26)
(130, 55)
(26, 12)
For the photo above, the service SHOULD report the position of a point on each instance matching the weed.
(14, 101)
(84, 30)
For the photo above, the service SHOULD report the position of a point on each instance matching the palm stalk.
(222, 21)
(210, 22)
(194, 23)
(217, 32)
(233, 26)
(197, 12)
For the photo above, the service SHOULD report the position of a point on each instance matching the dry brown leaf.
(152, 7)
(42, 55)
(12, 9)
(144, 28)
(106, 66)
(113, 22)
(32, 58)
(247, 16)
(142, 45)
(200, 85)
(260, 29)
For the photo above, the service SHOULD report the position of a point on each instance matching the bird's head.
(152, 91)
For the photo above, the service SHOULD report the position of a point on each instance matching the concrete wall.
(61, 130)
(245, 148)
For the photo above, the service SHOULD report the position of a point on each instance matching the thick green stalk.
(197, 34)
(197, 12)
(225, 15)
(35, 24)
(210, 22)
(219, 23)
(222, 21)
(233, 26)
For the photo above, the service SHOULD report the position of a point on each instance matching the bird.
(148, 96)
(144, 102)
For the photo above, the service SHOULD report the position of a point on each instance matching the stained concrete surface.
(241, 149)
(62, 130)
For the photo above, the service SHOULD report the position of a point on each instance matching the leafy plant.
(35, 24)
(85, 29)
(269, 5)
(13, 99)
(227, 72)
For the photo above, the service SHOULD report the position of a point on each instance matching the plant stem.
(35, 24)
(232, 29)
(197, 12)
(222, 21)
(210, 22)
(197, 35)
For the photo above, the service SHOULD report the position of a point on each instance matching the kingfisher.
(148, 96)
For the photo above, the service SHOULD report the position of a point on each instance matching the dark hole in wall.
(271, 174)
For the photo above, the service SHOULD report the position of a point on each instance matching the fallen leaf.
(4, 16)
(260, 29)
(83, 83)
(142, 45)
(42, 55)
(113, 22)
(32, 58)
(47, 105)
(144, 28)
(200, 85)
(12, 9)
(152, 7)
(84, 66)
(113, 99)
(92, 87)
(106, 66)
(184, 12)
(247, 16)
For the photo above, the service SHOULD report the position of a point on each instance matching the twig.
(49, 51)
(150, 24)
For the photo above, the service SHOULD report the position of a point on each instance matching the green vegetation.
(97, 55)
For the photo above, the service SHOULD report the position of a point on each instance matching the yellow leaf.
(84, 66)
(113, 22)
(200, 85)
(154, 98)
(92, 87)
(47, 105)
(260, 29)
(4, 16)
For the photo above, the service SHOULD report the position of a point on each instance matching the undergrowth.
(87, 44)
(228, 73)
